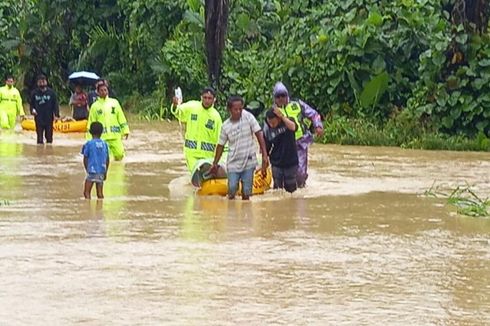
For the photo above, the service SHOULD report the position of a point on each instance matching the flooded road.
(359, 246)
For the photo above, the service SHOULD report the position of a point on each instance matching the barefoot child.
(95, 160)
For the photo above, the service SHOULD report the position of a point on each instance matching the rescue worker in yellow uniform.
(10, 104)
(108, 111)
(202, 126)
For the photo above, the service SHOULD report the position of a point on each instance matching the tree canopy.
(365, 58)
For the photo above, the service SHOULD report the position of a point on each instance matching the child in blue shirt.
(96, 161)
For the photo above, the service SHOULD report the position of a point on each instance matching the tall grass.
(464, 199)
(149, 107)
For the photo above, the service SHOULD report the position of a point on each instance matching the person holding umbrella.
(79, 101)
(108, 111)
(78, 104)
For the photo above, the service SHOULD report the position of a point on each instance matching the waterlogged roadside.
(359, 245)
(345, 170)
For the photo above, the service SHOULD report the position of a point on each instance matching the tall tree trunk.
(216, 15)
(473, 14)
(477, 13)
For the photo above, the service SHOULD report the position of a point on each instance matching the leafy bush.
(401, 131)
(356, 58)
(456, 96)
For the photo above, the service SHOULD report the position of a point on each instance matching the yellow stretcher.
(58, 126)
(220, 186)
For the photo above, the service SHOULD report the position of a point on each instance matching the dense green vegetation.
(413, 73)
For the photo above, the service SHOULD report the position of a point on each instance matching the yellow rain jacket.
(108, 111)
(202, 131)
(10, 106)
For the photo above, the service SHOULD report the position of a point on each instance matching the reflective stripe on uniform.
(192, 144)
(207, 146)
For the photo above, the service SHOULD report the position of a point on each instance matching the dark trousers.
(285, 177)
(44, 129)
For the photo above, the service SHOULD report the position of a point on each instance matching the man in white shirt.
(238, 131)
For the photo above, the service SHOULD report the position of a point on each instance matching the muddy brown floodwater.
(358, 246)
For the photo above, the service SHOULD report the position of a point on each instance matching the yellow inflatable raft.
(220, 186)
(58, 126)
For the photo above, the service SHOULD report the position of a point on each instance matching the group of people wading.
(106, 120)
(283, 139)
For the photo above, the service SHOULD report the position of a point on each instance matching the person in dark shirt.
(279, 134)
(44, 107)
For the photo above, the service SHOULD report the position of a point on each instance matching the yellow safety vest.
(108, 111)
(293, 111)
(202, 128)
(10, 100)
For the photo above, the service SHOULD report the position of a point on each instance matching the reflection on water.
(115, 190)
(10, 156)
(357, 246)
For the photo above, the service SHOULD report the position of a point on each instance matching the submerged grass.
(464, 199)
(149, 108)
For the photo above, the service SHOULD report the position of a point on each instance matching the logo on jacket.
(113, 110)
(42, 99)
(210, 124)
